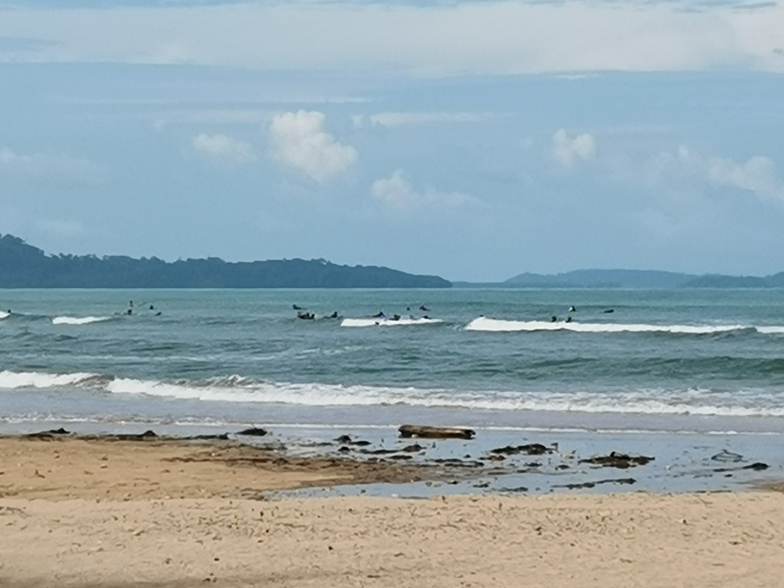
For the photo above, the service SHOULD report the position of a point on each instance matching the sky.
(474, 140)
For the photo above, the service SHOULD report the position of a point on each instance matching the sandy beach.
(115, 513)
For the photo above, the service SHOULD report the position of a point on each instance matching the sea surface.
(652, 361)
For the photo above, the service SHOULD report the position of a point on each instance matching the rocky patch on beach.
(443, 455)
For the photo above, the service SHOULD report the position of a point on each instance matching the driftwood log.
(435, 432)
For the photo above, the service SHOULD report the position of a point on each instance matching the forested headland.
(25, 266)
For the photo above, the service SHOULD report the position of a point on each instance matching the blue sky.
(473, 140)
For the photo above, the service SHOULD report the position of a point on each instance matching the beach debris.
(122, 436)
(347, 440)
(516, 489)
(529, 449)
(435, 432)
(617, 460)
(414, 448)
(757, 466)
(727, 457)
(48, 434)
(458, 463)
(215, 437)
(593, 484)
(254, 432)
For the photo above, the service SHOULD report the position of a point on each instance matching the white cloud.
(397, 193)
(568, 150)
(224, 148)
(399, 119)
(757, 174)
(50, 167)
(300, 141)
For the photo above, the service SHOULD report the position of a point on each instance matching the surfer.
(334, 315)
(295, 307)
(423, 308)
(554, 319)
(572, 309)
(568, 319)
(380, 314)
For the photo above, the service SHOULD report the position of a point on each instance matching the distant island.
(25, 266)
(631, 279)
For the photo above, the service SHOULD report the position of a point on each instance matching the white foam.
(239, 390)
(12, 380)
(498, 325)
(4, 314)
(73, 320)
(387, 322)
(771, 330)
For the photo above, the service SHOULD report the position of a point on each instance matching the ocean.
(651, 361)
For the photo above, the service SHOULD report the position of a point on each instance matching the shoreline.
(133, 510)
(379, 461)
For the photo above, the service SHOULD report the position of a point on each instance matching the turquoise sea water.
(674, 360)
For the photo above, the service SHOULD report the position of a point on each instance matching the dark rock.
(378, 451)
(347, 440)
(254, 432)
(134, 436)
(219, 437)
(50, 433)
(593, 484)
(618, 460)
(530, 449)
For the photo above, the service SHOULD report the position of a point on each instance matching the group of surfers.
(304, 314)
(131, 310)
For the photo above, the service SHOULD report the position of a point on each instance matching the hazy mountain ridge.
(641, 279)
(26, 266)
(650, 279)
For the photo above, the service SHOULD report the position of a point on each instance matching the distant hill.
(25, 266)
(632, 279)
(602, 279)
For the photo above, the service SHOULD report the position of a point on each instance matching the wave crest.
(74, 320)
(508, 326)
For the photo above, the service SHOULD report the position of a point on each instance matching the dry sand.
(173, 514)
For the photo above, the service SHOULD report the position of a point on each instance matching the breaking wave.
(13, 380)
(247, 390)
(73, 320)
(507, 326)
(388, 322)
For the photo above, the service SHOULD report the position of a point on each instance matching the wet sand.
(115, 513)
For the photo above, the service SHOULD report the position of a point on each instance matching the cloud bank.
(756, 175)
(497, 37)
